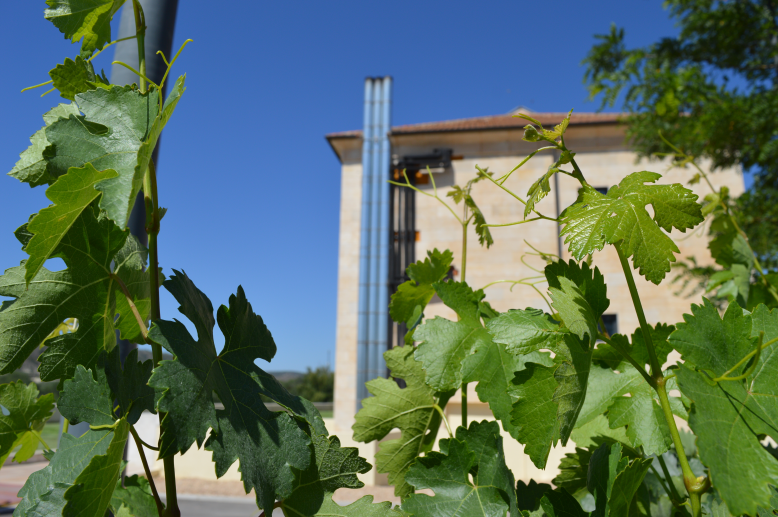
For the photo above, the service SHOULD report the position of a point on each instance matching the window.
(611, 322)
(602, 190)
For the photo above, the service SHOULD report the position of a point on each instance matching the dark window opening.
(602, 190)
(611, 322)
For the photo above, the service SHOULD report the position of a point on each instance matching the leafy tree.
(710, 91)
(315, 385)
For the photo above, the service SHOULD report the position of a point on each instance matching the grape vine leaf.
(412, 297)
(335, 467)
(85, 399)
(574, 470)
(529, 495)
(534, 412)
(95, 252)
(91, 494)
(493, 368)
(87, 19)
(74, 77)
(119, 130)
(444, 344)
(134, 498)
(267, 444)
(526, 331)
(643, 418)
(549, 399)
(27, 413)
(410, 409)
(614, 480)
(540, 189)
(72, 468)
(579, 295)
(447, 473)
(729, 418)
(559, 503)
(710, 342)
(71, 194)
(91, 396)
(621, 216)
(129, 385)
(31, 167)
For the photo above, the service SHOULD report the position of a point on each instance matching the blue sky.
(252, 187)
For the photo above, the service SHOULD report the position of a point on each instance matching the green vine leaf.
(85, 399)
(129, 385)
(561, 504)
(614, 480)
(526, 331)
(119, 130)
(74, 77)
(71, 194)
(411, 410)
(335, 467)
(549, 400)
(444, 343)
(31, 167)
(540, 189)
(91, 494)
(268, 444)
(87, 19)
(620, 215)
(447, 473)
(709, 342)
(83, 471)
(493, 368)
(134, 498)
(94, 251)
(730, 418)
(412, 297)
(27, 414)
(579, 295)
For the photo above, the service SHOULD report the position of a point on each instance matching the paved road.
(219, 507)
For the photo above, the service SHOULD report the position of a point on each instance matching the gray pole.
(160, 24)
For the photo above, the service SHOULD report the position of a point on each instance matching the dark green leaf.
(119, 130)
(728, 422)
(71, 194)
(94, 250)
(535, 412)
(412, 296)
(620, 215)
(446, 473)
(74, 77)
(335, 467)
(85, 399)
(91, 494)
(74, 456)
(134, 497)
(614, 480)
(444, 346)
(129, 385)
(561, 504)
(410, 409)
(529, 495)
(528, 330)
(31, 167)
(492, 367)
(87, 19)
(268, 444)
(711, 343)
(27, 413)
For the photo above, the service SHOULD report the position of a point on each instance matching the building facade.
(420, 223)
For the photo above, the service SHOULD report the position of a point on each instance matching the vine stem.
(445, 420)
(465, 222)
(140, 32)
(694, 486)
(152, 211)
(138, 444)
(674, 495)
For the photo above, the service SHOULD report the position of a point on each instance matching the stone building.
(454, 148)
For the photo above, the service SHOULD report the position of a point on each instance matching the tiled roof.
(506, 121)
